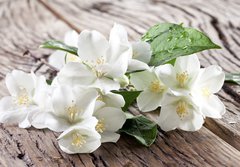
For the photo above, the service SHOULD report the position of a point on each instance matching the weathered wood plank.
(222, 27)
(20, 147)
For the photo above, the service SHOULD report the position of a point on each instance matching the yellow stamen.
(182, 79)
(100, 127)
(78, 140)
(156, 87)
(206, 92)
(182, 109)
(72, 113)
(100, 61)
(72, 58)
(23, 98)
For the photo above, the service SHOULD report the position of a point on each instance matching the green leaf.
(141, 128)
(58, 45)
(233, 78)
(169, 41)
(129, 97)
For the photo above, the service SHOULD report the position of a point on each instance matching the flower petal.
(113, 118)
(48, 120)
(71, 38)
(18, 80)
(142, 51)
(75, 74)
(109, 137)
(193, 124)
(149, 101)
(211, 78)
(85, 101)
(189, 63)
(135, 65)
(142, 80)
(212, 107)
(57, 59)
(106, 84)
(62, 98)
(168, 119)
(91, 140)
(91, 45)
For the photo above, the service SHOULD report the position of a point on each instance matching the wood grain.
(42, 20)
(138, 16)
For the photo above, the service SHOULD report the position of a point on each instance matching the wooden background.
(24, 24)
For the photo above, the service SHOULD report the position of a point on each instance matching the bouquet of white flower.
(99, 79)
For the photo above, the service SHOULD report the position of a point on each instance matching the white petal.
(135, 65)
(75, 74)
(13, 116)
(6, 103)
(71, 38)
(92, 140)
(142, 80)
(106, 84)
(211, 78)
(194, 124)
(142, 51)
(190, 64)
(48, 120)
(109, 137)
(85, 101)
(91, 45)
(113, 100)
(168, 119)
(113, 118)
(62, 98)
(57, 59)
(18, 80)
(149, 101)
(212, 107)
(167, 74)
(118, 35)
(117, 60)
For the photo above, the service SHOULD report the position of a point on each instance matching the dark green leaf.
(58, 45)
(129, 97)
(141, 128)
(169, 41)
(49, 81)
(233, 78)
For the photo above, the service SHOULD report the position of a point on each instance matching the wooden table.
(24, 24)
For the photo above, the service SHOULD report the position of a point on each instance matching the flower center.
(100, 127)
(206, 92)
(23, 98)
(156, 87)
(100, 97)
(95, 66)
(72, 58)
(78, 140)
(72, 113)
(182, 109)
(182, 78)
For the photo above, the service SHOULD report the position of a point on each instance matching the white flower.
(109, 99)
(103, 61)
(181, 76)
(110, 120)
(210, 81)
(59, 58)
(141, 56)
(140, 51)
(70, 106)
(80, 138)
(180, 111)
(152, 87)
(29, 95)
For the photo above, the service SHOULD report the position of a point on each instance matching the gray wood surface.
(24, 24)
